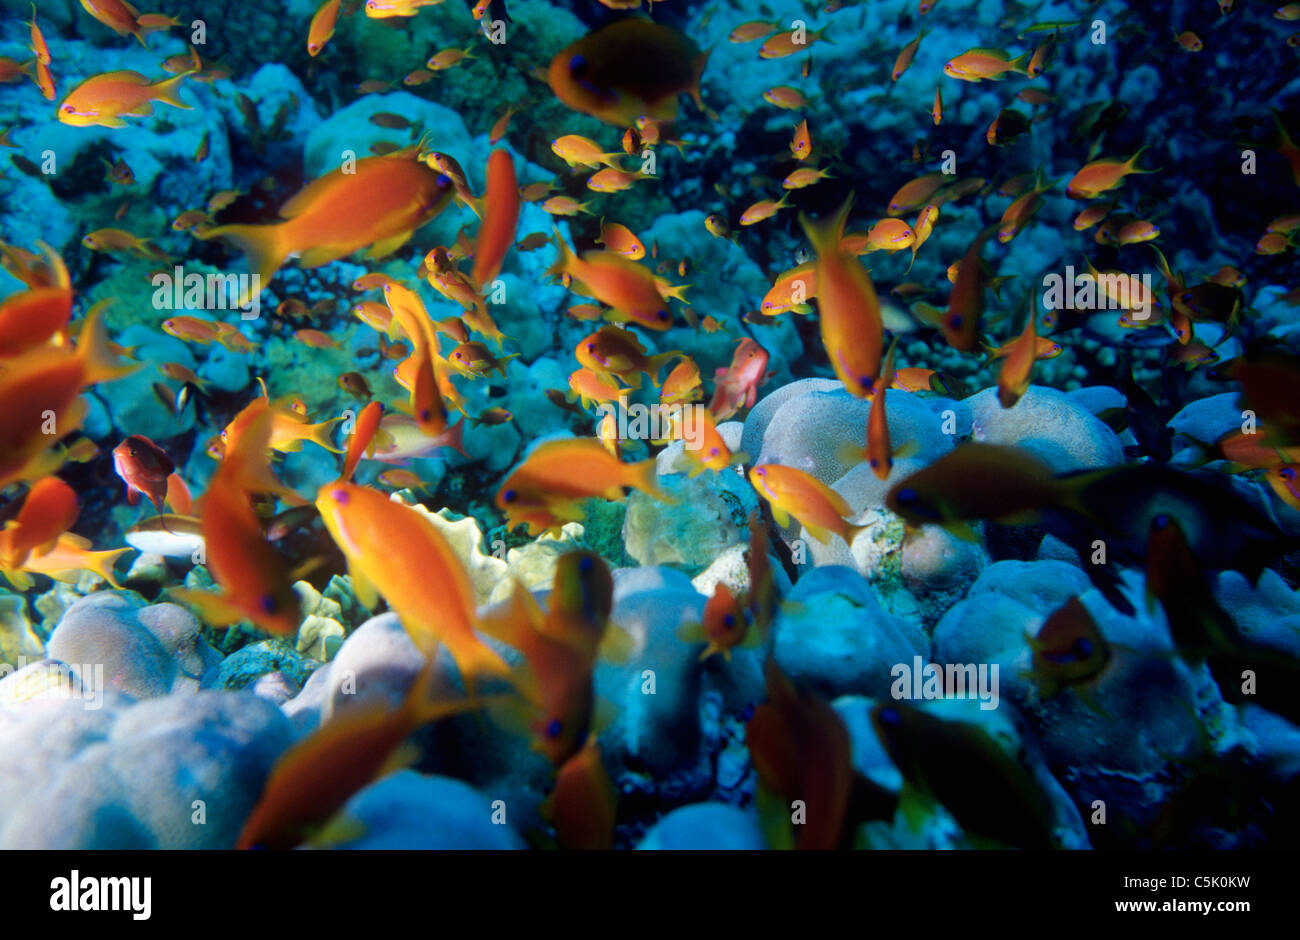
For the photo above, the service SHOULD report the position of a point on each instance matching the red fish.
(145, 468)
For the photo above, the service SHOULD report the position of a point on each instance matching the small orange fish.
(1103, 175)
(763, 209)
(590, 386)
(500, 218)
(315, 339)
(564, 205)
(790, 42)
(583, 805)
(322, 27)
(783, 96)
(801, 145)
(977, 65)
(102, 100)
(576, 150)
(1018, 370)
(253, 581)
(546, 490)
(315, 777)
(905, 57)
(616, 281)
(936, 110)
(591, 75)
(376, 206)
(395, 551)
(620, 239)
(791, 492)
(851, 327)
(48, 510)
(613, 351)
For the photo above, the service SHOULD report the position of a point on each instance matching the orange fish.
(915, 193)
(620, 239)
(592, 386)
(628, 69)
(613, 351)
(1018, 370)
(395, 551)
(39, 403)
(583, 805)
(32, 318)
(879, 452)
(576, 150)
(70, 556)
(322, 27)
(793, 493)
(801, 145)
(724, 627)
(960, 324)
(362, 436)
(48, 510)
(790, 42)
(904, 60)
(377, 206)
(545, 491)
(560, 649)
(977, 65)
(102, 100)
(1101, 176)
(851, 325)
(116, 15)
(615, 281)
(253, 580)
(314, 778)
(801, 751)
(500, 218)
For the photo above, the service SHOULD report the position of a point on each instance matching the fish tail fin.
(262, 244)
(821, 35)
(1021, 62)
(169, 91)
(564, 256)
(825, 234)
(850, 454)
(657, 362)
(456, 438)
(642, 476)
(852, 531)
(104, 564)
(101, 363)
(320, 434)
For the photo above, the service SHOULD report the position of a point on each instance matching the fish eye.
(443, 181)
(509, 496)
(662, 314)
(889, 716)
(578, 66)
(1083, 646)
(875, 462)
(591, 347)
(553, 728)
(955, 320)
(585, 564)
(340, 495)
(713, 452)
(908, 496)
(1288, 473)
(1161, 521)
(268, 603)
(729, 620)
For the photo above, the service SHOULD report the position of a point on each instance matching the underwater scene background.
(529, 424)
